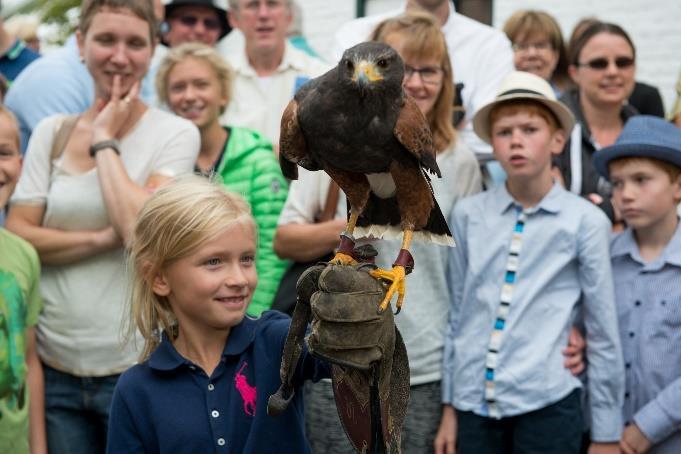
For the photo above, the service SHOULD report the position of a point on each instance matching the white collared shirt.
(254, 107)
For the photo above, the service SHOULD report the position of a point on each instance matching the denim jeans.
(77, 412)
(555, 429)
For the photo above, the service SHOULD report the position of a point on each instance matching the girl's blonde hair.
(426, 41)
(173, 222)
(200, 52)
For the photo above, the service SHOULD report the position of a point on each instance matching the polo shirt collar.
(289, 60)
(166, 357)
(15, 50)
(627, 246)
(551, 202)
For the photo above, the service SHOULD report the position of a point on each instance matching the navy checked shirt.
(169, 405)
(648, 298)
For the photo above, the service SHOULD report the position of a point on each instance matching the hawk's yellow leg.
(396, 276)
(341, 258)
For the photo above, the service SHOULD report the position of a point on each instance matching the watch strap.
(113, 144)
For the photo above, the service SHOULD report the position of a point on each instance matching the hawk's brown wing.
(412, 130)
(292, 146)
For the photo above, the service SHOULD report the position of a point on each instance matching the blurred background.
(654, 25)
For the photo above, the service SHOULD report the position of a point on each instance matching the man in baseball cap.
(203, 21)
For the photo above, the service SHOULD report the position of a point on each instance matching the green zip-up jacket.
(249, 167)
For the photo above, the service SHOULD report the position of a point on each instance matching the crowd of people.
(151, 244)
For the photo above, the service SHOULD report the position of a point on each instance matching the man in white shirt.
(481, 57)
(268, 70)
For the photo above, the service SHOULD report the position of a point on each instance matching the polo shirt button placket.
(211, 387)
(221, 442)
(215, 413)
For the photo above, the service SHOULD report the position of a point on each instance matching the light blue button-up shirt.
(648, 297)
(563, 267)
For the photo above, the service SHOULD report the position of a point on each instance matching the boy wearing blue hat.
(529, 255)
(644, 167)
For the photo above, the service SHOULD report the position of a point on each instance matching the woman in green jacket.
(195, 83)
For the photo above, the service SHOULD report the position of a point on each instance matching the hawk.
(357, 124)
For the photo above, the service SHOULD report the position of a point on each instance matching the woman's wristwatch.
(113, 144)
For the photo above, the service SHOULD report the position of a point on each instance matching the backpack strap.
(329, 212)
(61, 136)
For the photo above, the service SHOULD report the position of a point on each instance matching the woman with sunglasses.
(76, 202)
(645, 98)
(602, 66)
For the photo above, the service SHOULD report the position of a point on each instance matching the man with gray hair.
(268, 69)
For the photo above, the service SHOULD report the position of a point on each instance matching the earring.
(82, 59)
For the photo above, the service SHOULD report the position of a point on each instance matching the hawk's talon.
(342, 259)
(396, 276)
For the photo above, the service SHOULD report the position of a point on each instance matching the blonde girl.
(195, 82)
(206, 368)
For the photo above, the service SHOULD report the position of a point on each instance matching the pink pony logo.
(248, 392)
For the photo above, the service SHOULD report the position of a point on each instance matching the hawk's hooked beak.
(366, 72)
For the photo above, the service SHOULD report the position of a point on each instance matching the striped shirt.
(561, 267)
(648, 299)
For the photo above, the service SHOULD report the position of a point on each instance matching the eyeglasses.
(429, 74)
(599, 64)
(540, 46)
(208, 23)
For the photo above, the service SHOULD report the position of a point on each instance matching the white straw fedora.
(523, 85)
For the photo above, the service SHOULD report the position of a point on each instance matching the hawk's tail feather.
(381, 219)
(392, 232)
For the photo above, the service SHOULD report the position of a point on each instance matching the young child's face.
(194, 92)
(10, 159)
(523, 144)
(643, 192)
(211, 288)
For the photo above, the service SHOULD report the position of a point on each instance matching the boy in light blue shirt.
(644, 167)
(529, 255)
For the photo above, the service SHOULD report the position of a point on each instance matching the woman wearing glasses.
(602, 65)
(538, 47)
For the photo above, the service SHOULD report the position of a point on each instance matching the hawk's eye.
(349, 65)
(382, 63)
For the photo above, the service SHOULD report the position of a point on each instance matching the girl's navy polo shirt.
(168, 404)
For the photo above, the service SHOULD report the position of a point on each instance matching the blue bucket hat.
(643, 136)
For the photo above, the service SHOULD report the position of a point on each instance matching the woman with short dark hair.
(84, 180)
(602, 66)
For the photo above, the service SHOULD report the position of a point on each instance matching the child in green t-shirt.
(22, 418)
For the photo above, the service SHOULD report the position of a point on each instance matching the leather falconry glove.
(370, 370)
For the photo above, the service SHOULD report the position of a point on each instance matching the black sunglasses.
(602, 63)
(191, 21)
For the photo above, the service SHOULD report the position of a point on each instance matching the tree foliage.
(59, 14)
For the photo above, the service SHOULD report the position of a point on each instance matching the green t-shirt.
(20, 305)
